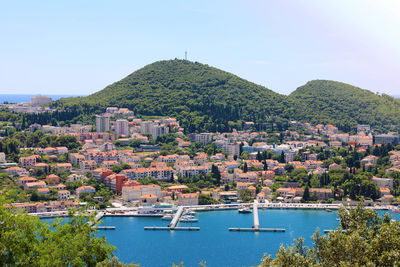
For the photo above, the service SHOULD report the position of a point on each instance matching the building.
(159, 173)
(321, 193)
(202, 138)
(102, 123)
(63, 194)
(40, 100)
(2, 157)
(121, 127)
(386, 139)
(63, 167)
(52, 179)
(189, 199)
(133, 193)
(29, 161)
(149, 199)
(363, 128)
(383, 182)
(26, 179)
(85, 189)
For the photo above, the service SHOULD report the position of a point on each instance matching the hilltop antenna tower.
(185, 55)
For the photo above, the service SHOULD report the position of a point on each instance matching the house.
(43, 191)
(31, 186)
(29, 161)
(133, 193)
(383, 182)
(159, 173)
(149, 199)
(26, 179)
(321, 193)
(63, 167)
(176, 188)
(52, 179)
(260, 197)
(43, 166)
(371, 159)
(189, 199)
(2, 157)
(88, 165)
(75, 177)
(334, 166)
(85, 189)
(63, 194)
(109, 163)
(76, 158)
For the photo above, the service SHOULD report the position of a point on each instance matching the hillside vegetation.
(204, 98)
(322, 101)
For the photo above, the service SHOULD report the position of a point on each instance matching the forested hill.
(322, 101)
(203, 96)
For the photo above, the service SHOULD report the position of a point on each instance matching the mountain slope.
(179, 87)
(321, 101)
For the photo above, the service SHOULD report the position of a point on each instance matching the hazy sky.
(79, 47)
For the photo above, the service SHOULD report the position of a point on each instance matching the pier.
(169, 228)
(257, 229)
(176, 218)
(104, 227)
(174, 223)
(256, 223)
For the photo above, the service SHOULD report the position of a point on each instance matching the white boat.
(167, 217)
(189, 212)
(188, 218)
(244, 210)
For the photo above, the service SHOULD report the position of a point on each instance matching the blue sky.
(79, 47)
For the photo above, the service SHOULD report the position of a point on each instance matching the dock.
(169, 228)
(332, 230)
(104, 227)
(97, 218)
(256, 221)
(176, 218)
(256, 224)
(257, 229)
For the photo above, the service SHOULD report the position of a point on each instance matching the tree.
(205, 199)
(306, 194)
(216, 174)
(363, 239)
(26, 241)
(245, 168)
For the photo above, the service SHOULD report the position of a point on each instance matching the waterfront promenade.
(134, 212)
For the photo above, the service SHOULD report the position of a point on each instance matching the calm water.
(25, 98)
(213, 243)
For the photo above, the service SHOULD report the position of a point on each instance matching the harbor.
(133, 236)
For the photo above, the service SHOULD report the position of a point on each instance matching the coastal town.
(129, 162)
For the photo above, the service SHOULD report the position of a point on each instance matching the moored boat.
(244, 210)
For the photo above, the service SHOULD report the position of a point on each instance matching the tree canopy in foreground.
(363, 239)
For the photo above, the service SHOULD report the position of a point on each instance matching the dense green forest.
(204, 98)
(323, 101)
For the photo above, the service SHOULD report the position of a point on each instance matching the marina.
(135, 236)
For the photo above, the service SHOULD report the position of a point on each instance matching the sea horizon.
(19, 98)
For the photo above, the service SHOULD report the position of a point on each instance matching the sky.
(79, 47)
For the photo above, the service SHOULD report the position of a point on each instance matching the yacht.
(244, 210)
(167, 217)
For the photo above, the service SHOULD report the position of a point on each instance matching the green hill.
(322, 101)
(202, 96)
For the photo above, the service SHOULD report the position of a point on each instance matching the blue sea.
(25, 98)
(214, 243)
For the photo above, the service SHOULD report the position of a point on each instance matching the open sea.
(214, 244)
(25, 98)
